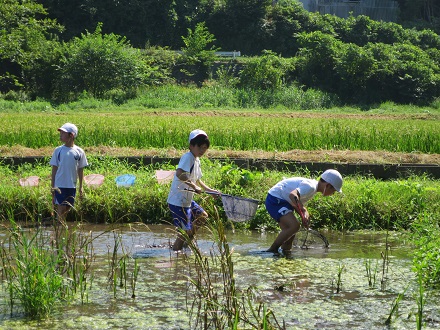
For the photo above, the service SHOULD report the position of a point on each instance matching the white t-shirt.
(68, 160)
(307, 188)
(178, 196)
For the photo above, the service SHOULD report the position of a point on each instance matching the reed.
(218, 303)
(420, 299)
(341, 268)
(371, 273)
(395, 307)
(385, 263)
(134, 277)
(42, 269)
(121, 267)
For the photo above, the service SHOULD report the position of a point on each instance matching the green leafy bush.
(98, 63)
(266, 72)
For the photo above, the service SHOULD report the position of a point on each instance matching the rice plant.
(235, 131)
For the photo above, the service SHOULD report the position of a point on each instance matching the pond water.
(299, 289)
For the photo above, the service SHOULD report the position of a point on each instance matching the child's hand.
(214, 193)
(197, 189)
(305, 217)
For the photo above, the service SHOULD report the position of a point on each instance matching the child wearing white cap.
(291, 194)
(186, 213)
(68, 162)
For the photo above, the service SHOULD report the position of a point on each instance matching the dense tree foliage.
(27, 43)
(357, 59)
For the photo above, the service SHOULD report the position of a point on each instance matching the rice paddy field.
(267, 131)
(377, 273)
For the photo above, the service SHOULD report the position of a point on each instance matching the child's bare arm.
(185, 177)
(80, 179)
(52, 177)
(299, 207)
(207, 188)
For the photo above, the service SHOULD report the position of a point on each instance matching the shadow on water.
(302, 289)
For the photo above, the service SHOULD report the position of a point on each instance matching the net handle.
(226, 195)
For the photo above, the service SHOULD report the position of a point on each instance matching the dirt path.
(337, 156)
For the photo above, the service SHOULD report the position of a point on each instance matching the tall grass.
(366, 203)
(44, 270)
(217, 303)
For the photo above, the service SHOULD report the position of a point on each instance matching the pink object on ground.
(164, 177)
(94, 180)
(31, 181)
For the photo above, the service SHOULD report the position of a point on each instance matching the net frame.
(125, 180)
(94, 180)
(31, 181)
(164, 176)
(239, 209)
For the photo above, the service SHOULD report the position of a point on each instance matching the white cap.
(196, 133)
(334, 178)
(69, 128)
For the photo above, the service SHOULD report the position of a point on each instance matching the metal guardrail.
(233, 54)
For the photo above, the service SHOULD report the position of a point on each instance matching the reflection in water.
(299, 289)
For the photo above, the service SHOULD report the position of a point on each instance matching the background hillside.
(64, 50)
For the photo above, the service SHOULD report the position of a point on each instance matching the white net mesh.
(239, 208)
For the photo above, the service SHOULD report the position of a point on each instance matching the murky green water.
(301, 289)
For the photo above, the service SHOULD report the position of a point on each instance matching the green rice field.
(267, 131)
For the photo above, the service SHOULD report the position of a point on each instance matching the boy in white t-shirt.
(291, 194)
(186, 213)
(68, 162)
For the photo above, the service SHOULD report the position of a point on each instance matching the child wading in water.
(291, 194)
(186, 213)
(68, 162)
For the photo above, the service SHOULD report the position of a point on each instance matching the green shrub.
(266, 72)
(425, 235)
(98, 63)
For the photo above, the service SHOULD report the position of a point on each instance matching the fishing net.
(164, 177)
(306, 239)
(31, 181)
(125, 180)
(239, 209)
(94, 180)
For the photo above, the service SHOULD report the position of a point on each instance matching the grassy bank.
(366, 203)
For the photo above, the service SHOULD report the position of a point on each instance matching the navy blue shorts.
(184, 216)
(67, 196)
(277, 207)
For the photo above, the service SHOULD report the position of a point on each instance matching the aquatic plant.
(371, 273)
(385, 263)
(420, 298)
(43, 270)
(120, 267)
(134, 277)
(395, 307)
(341, 268)
(218, 303)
